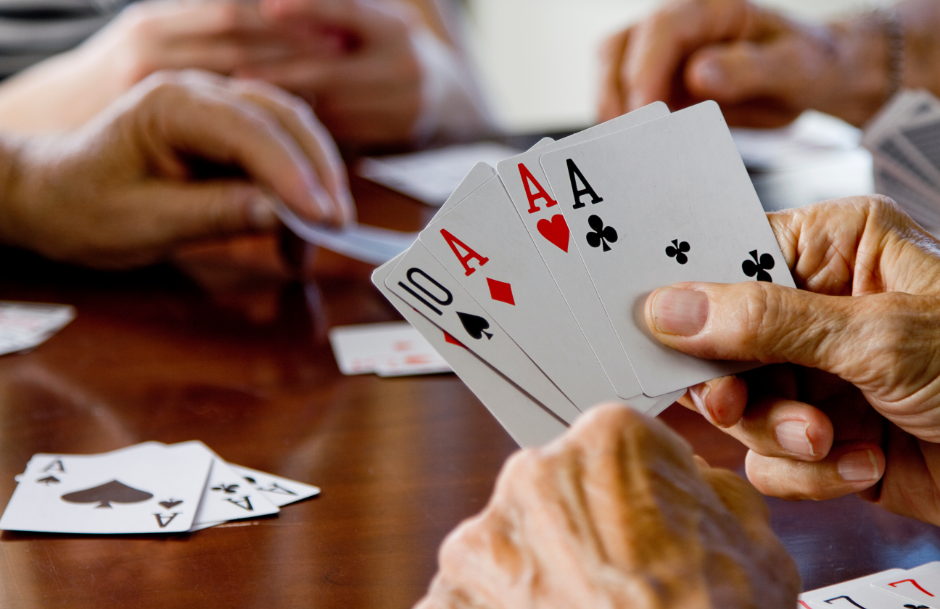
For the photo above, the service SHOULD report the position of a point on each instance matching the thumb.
(741, 71)
(862, 339)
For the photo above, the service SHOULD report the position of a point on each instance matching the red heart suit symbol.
(555, 230)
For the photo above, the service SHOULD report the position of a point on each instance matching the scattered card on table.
(390, 349)
(227, 497)
(279, 491)
(24, 325)
(148, 488)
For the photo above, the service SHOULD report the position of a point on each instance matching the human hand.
(372, 91)
(762, 68)
(217, 35)
(122, 191)
(615, 513)
(858, 401)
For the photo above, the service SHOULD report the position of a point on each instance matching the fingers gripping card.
(664, 202)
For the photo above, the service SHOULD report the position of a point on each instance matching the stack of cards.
(146, 488)
(904, 139)
(27, 325)
(917, 588)
(531, 279)
(388, 349)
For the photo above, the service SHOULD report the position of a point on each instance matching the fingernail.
(698, 395)
(859, 466)
(681, 312)
(262, 213)
(709, 75)
(793, 437)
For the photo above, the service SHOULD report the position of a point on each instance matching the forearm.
(10, 178)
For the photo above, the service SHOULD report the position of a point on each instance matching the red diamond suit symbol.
(501, 291)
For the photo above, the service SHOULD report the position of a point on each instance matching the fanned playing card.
(536, 204)
(422, 282)
(24, 325)
(524, 418)
(664, 202)
(485, 248)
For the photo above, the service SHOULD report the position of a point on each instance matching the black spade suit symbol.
(474, 325)
(106, 494)
(171, 503)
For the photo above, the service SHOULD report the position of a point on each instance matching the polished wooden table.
(226, 348)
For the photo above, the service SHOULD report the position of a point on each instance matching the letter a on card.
(464, 259)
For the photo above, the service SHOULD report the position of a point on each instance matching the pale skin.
(354, 61)
(763, 68)
(120, 191)
(851, 402)
(615, 513)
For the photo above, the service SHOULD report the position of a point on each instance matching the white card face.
(148, 488)
(277, 490)
(228, 496)
(485, 247)
(527, 421)
(393, 348)
(664, 202)
(422, 282)
(832, 594)
(860, 596)
(535, 202)
(27, 325)
(921, 585)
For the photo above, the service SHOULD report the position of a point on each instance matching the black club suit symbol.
(759, 267)
(601, 234)
(225, 488)
(678, 251)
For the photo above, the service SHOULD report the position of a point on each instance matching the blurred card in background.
(430, 176)
(26, 325)
(387, 349)
(904, 138)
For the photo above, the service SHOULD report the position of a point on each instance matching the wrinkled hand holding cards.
(917, 588)
(26, 325)
(145, 488)
(531, 279)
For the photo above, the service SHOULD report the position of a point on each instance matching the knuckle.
(757, 312)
